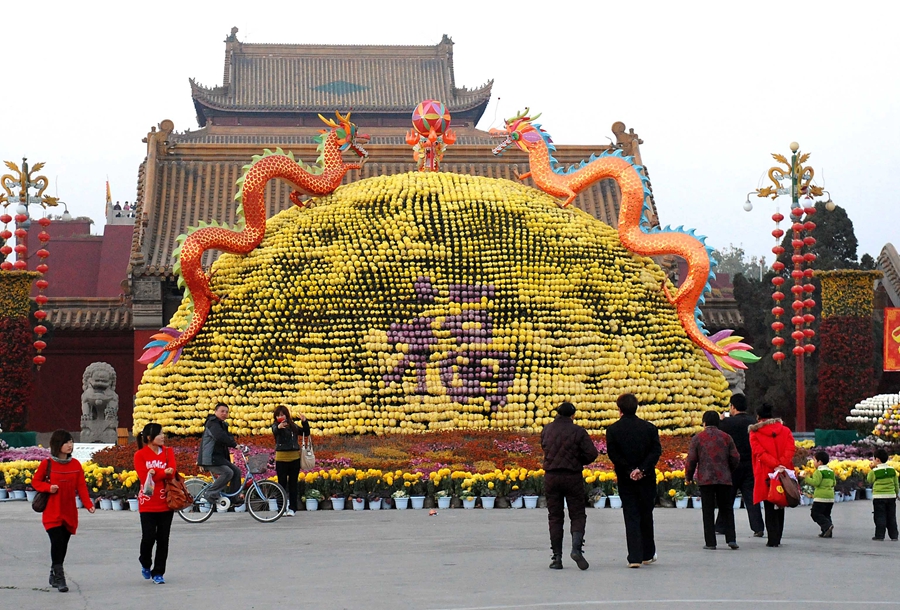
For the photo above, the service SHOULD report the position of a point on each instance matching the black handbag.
(42, 497)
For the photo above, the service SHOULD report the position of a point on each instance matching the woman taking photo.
(154, 463)
(61, 476)
(287, 452)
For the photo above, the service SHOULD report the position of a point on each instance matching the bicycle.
(265, 501)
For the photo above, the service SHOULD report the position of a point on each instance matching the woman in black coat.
(287, 452)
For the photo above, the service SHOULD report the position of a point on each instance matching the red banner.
(892, 339)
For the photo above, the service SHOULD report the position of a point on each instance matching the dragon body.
(316, 181)
(724, 350)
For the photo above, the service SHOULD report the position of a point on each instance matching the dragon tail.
(737, 355)
(156, 353)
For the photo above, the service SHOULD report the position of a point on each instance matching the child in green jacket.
(823, 498)
(884, 496)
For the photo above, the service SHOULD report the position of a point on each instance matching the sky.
(712, 88)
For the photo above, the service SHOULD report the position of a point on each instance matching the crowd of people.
(738, 454)
(730, 455)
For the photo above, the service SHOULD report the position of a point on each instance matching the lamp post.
(25, 180)
(795, 180)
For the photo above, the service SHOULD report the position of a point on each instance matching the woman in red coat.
(61, 515)
(772, 448)
(156, 461)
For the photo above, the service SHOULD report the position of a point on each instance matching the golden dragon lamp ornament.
(724, 350)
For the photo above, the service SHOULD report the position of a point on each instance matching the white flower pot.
(488, 501)
(273, 504)
(600, 502)
(375, 504)
(852, 496)
(615, 502)
(682, 503)
(78, 502)
(312, 504)
(468, 502)
(17, 494)
(205, 507)
(359, 504)
(868, 493)
(133, 504)
(241, 509)
(517, 503)
(838, 496)
(30, 494)
(531, 501)
(105, 504)
(442, 502)
(4, 494)
(417, 502)
(116, 504)
(338, 503)
(696, 502)
(737, 503)
(401, 503)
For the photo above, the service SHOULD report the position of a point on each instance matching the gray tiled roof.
(320, 78)
(75, 313)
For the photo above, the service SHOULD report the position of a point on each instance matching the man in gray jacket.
(214, 455)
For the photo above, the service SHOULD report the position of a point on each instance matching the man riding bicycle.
(214, 455)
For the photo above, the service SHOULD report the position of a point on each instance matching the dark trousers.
(742, 479)
(226, 474)
(821, 514)
(885, 510)
(774, 522)
(638, 498)
(155, 528)
(712, 496)
(287, 473)
(568, 487)
(59, 543)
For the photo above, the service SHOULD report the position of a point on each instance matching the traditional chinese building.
(271, 96)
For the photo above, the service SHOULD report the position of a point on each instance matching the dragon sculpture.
(312, 180)
(724, 350)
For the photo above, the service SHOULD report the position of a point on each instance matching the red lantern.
(777, 233)
(5, 218)
(776, 217)
(797, 305)
(39, 345)
(797, 227)
(809, 303)
(41, 299)
(809, 288)
(42, 268)
(798, 350)
(810, 210)
(41, 284)
(21, 217)
(797, 243)
(797, 335)
(778, 280)
(44, 222)
(6, 266)
(777, 326)
(5, 250)
(809, 240)
(778, 251)
(809, 225)
(40, 329)
(778, 265)
(777, 341)
(796, 274)
(39, 360)
(44, 236)
(20, 265)
(796, 288)
(40, 314)
(5, 234)
(21, 233)
(778, 296)
(808, 273)
(42, 253)
(809, 257)
(808, 318)
(809, 348)
(777, 311)
(810, 333)
(797, 320)
(796, 211)
(778, 356)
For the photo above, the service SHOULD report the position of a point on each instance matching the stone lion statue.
(99, 396)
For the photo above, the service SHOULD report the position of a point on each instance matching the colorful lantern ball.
(428, 115)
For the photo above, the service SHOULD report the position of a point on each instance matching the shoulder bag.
(42, 497)
(791, 489)
(177, 495)
(307, 457)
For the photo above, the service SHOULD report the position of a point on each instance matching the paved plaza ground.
(459, 559)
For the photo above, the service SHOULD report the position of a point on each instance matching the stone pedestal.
(99, 430)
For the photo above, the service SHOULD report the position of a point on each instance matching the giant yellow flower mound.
(431, 301)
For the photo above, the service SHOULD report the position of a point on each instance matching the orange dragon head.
(521, 131)
(347, 134)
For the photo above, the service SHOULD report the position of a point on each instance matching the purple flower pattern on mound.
(474, 371)
(28, 454)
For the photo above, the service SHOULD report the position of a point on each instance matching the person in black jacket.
(214, 455)
(632, 445)
(567, 449)
(737, 426)
(287, 452)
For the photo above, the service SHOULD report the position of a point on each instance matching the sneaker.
(733, 546)
(145, 573)
(288, 513)
(159, 580)
(827, 533)
(878, 539)
(894, 539)
(634, 565)
(759, 534)
(709, 548)
(653, 559)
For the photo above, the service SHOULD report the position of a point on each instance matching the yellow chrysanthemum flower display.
(428, 301)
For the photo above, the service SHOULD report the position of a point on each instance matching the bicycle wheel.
(266, 501)
(200, 510)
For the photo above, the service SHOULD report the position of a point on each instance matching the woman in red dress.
(155, 461)
(66, 479)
